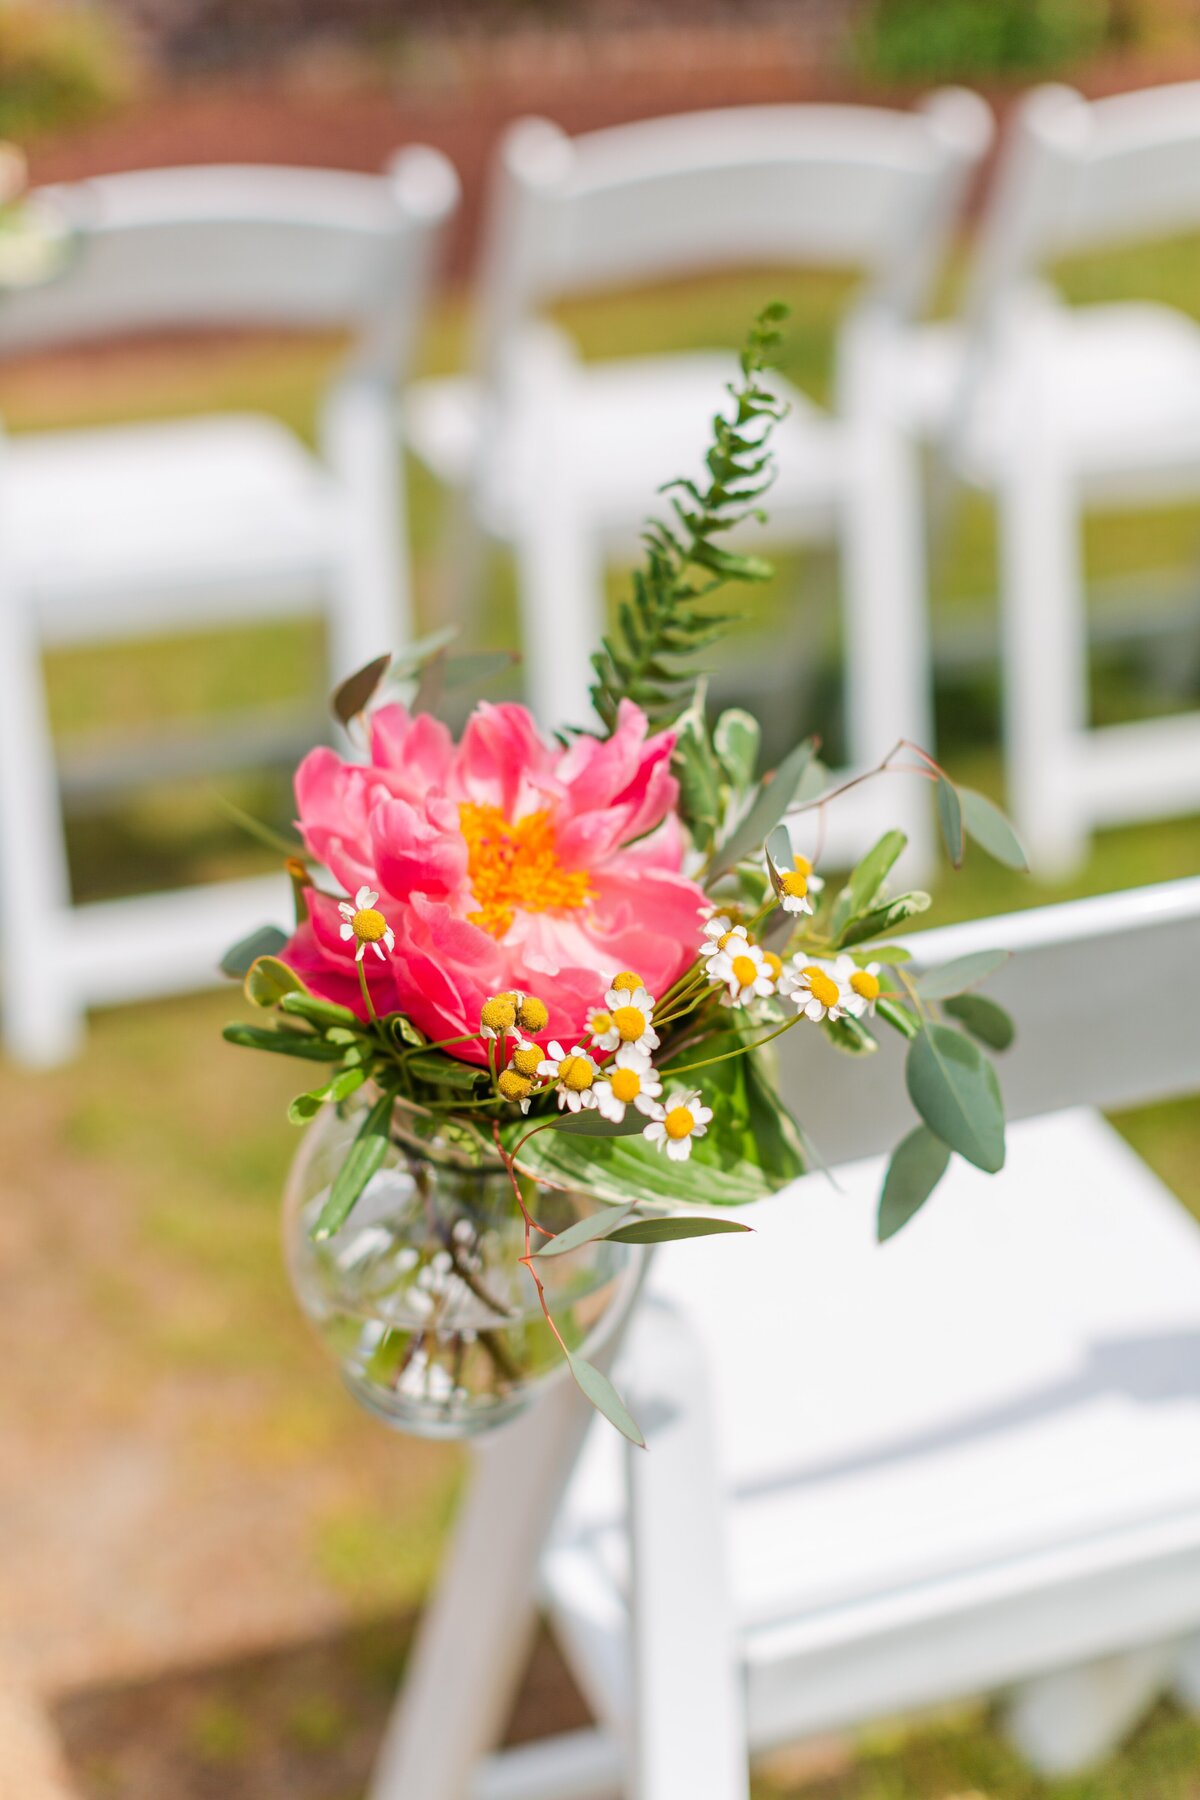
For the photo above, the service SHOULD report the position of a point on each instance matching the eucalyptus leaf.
(918, 1163)
(963, 973)
(950, 819)
(401, 1030)
(326, 1013)
(240, 957)
(736, 738)
(445, 1071)
(850, 1035)
(351, 696)
(363, 1160)
(888, 954)
(883, 918)
(268, 980)
(696, 770)
(767, 809)
(669, 1231)
(898, 1017)
(601, 1224)
(283, 1043)
(866, 882)
(954, 1088)
(476, 667)
(983, 1019)
(779, 854)
(593, 1124)
(599, 1390)
(991, 830)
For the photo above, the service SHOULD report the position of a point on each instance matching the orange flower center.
(512, 867)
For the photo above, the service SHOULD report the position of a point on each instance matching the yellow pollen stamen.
(368, 925)
(679, 1123)
(630, 1022)
(513, 867)
(745, 971)
(532, 1014)
(627, 982)
(795, 886)
(577, 1073)
(774, 964)
(728, 937)
(527, 1062)
(803, 866)
(865, 985)
(626, 1085)
(821, 987)
(600, 1022)
(513, 1086)
(499, 1013)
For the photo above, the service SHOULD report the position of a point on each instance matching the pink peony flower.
(500, 862)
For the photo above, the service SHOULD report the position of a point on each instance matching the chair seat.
(1118, 384)
(919, 1437)
(104, 525)
(615, 431)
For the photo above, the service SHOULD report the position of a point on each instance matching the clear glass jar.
(420, 1297)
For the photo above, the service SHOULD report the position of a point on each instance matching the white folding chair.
(152, 529)
(878, 1477)
(1056, 409)
(562, 460)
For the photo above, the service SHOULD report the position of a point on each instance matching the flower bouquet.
(542, 992)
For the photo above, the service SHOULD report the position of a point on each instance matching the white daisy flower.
(744, 968)
(799, 885)
(675, 1125)
(862, 986)
(629, 1080)
(362, 921)
(573, 1073)
(719, 934)
(815, 988)
(630, 1016)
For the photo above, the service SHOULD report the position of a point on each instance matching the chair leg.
(370, 605)
(886, 651)
(43, 1023)
(560, 577)
(1044, 657)
(1072, 1718)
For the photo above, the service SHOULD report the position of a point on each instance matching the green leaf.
(668, 1231)
(736, 739)
(991, 830)
(599, 1390)
(780, 856)
(883, 918)
(850, 1035)
(322, 1012)
(696, 770)
(888, 954)
(771, 802)
(401, 1030)
(918, 1164)
(594, 1124)
(363, 1159)
(898, 1017)
(751, 1148)
(963, 973)
(866, 883)
(600, 1225)
(351, 696)
(445, 1071)
(268, 980)
(283, 1043)
(239, 958)
(954, 1088)
(950, 818)
(983, 1019)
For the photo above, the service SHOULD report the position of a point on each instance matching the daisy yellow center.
(368, 925)
(803, 866)
(795, 885)
(729, 937)
(745, 971)
(630, 1022)
(865, 985)
(679, 1122)
(627, 982)
(626, 1085)
(527, 1062)
(600, 1022)
(513, 867)
(774, 964)
(577, 1073)
(820, 986)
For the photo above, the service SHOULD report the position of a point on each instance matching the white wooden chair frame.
(309, 249)
(689, 1725)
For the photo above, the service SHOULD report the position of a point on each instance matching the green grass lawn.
(192, 1132)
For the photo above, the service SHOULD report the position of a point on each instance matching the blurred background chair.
(159, 528)
(980, 1474)
(562, 459)
(1059, 409)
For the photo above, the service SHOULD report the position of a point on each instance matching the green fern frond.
(663, 622)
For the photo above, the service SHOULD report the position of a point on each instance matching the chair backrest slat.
(237, 246)
(1105, 994)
